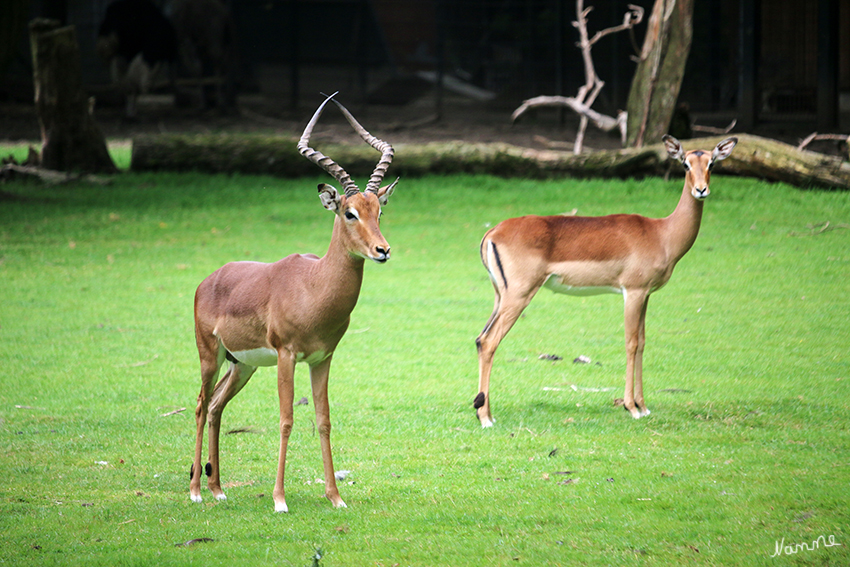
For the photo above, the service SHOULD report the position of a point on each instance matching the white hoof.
(221, 496)
(196, 498)
(486, 422)
(280, 507)
(341, 504)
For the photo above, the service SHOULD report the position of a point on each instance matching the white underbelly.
(555, 284)
(268, 357)
(256, 356)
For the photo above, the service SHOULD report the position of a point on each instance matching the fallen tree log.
(276, 155)
(50, 176)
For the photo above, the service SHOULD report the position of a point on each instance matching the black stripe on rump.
(499, 263)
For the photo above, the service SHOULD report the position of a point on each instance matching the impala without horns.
(625, 254)
(295, 310)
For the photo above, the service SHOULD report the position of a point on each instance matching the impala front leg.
(285, 392)
(639, 401)
(635, 311)
(319, 381)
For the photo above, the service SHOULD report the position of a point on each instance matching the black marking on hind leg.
(479, 400)
(208, 469)
(192, 471)
(229, 356)
(499, 264)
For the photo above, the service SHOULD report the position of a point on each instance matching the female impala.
(627, 254)
(294, 310)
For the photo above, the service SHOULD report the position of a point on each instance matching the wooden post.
(71, 141)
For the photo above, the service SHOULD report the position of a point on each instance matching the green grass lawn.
(747, 374)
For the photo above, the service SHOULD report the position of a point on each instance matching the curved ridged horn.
(383, 147)
(320, 159)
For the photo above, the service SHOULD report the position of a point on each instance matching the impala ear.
(385, 192)
(329, 196)
(674, 148)
(723, 149)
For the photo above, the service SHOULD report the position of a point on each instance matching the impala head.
(358, 214)
(358, 218)
(698, 163)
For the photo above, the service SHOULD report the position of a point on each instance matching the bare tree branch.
(815, 136)
(713, 130)
(632, 18)
(601, 121)
(592, 86)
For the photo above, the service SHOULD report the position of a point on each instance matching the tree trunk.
(276, 155)
(658, 77)
(71, 141)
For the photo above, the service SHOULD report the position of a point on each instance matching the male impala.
(294, 310)
(627, 254)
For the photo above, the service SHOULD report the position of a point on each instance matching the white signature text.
(791, 549)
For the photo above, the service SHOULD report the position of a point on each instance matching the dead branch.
(601, 121)
(588, 92)
(632, 18)
(175, 412)
(815, 136)
(712, 130)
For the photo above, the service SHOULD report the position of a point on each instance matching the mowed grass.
(747, 374)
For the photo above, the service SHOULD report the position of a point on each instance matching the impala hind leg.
(319, 382)
(635, 319)
(233, 381)
(210, 363)
(507, 310)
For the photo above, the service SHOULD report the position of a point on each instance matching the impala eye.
(350, 215)
(710, 165)
(687, 166)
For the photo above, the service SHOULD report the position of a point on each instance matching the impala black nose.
(382, 254)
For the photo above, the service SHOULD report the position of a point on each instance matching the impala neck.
(682, 226)
(342, 271)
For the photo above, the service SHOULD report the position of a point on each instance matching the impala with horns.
(626, 254)
(254, 314)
